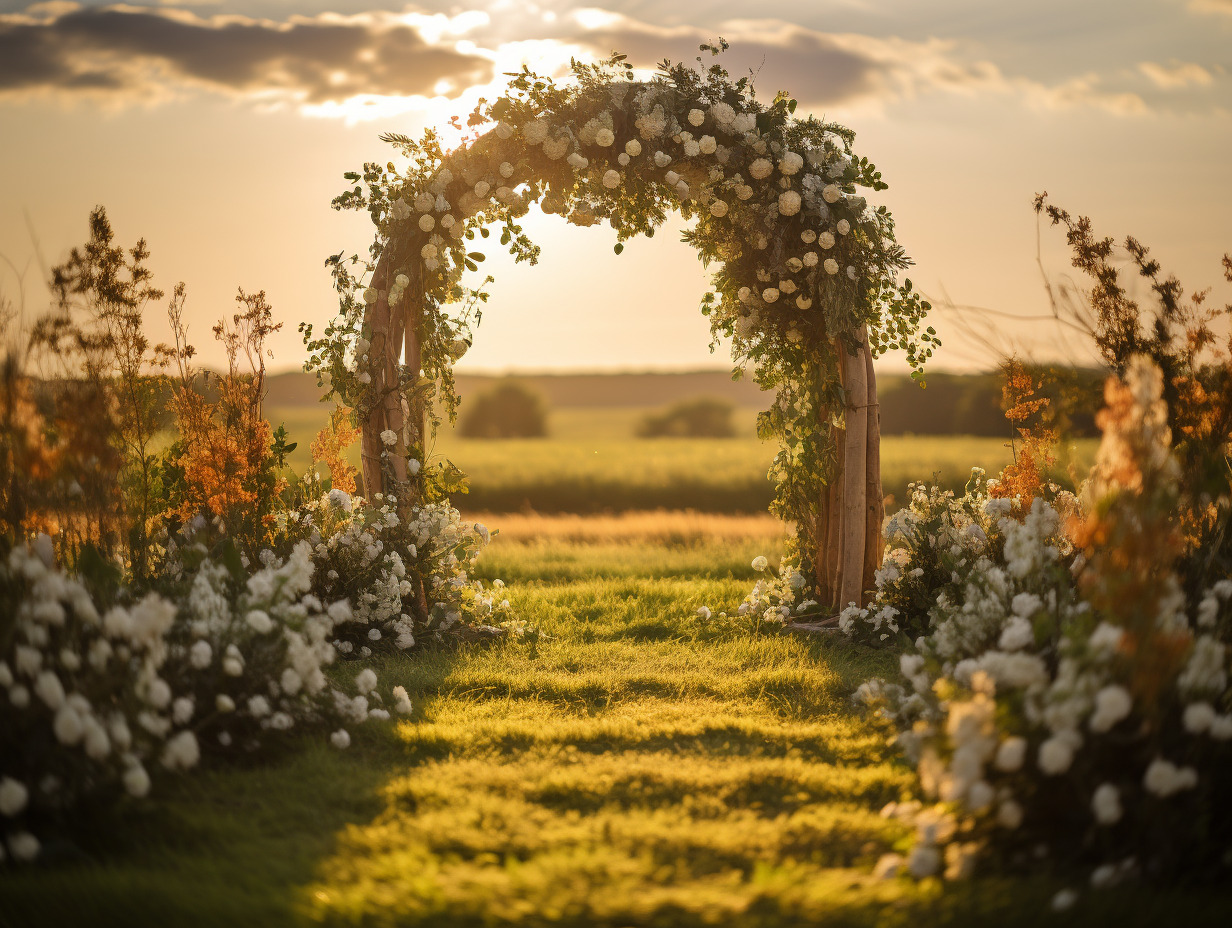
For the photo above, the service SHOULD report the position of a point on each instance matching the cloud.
(1177, 76)
(843, 69)
(134, 53)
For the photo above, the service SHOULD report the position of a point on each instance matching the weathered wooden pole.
(855, 466)
(874, 501)
(848, 535)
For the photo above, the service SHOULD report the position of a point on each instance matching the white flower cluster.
(393, 570)
(1031, 709)
(102, 699)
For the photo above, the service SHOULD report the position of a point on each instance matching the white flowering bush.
(85, 710)
(96, 701)
(403, 576)
(1075, 709)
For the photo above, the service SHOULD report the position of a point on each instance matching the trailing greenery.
(803, 263)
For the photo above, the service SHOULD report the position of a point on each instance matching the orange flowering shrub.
(329, 448)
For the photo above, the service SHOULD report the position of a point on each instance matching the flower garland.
(803, 262)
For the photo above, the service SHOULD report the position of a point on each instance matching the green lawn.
(635, 766)
(592, 463)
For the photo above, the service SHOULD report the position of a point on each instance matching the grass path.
(632, 767)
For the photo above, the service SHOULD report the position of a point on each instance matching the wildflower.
(49, 689)
(182, 710)
(1198, 717)
(200, 655)
(1112, 704)
(1064, 900)
(136, 780)
(402, 702)
(23, 846)
(1055, 756)
(703, 613)
(1106, 804)
(1163, 778)
(760, 563)
(1009, 814)
(13, 797)
(181, 752)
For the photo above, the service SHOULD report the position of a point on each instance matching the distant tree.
(701, 418)
(508, 410)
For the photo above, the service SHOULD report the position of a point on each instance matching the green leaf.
(618, 247)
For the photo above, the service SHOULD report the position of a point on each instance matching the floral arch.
(805, 282)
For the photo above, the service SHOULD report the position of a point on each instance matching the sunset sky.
(220, 131)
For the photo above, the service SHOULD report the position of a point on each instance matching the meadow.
(590, 462)
(632, 765)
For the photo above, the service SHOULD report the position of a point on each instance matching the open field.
(634, 766)
(592, 463)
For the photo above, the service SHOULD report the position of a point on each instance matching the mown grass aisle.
(635, 766)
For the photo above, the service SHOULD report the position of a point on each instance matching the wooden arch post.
(848, 537)
(395, 341)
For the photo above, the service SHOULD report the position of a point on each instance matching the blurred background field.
(592, 461)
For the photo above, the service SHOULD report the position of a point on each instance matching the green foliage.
(793, 278)
(508, 410)
(700, 418)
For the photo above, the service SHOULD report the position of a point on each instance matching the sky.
(220, 131)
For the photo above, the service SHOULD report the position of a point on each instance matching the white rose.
(718, 208)
(696, 117)
(611, 179)
(760, 168)
(831, 266)
(770, 295)
(826, 239)
(760, 562)
(789, 203)
(830, 193)
(804, 302)
(605, 138)
(790, 163)
(426, 222)
(633, 148)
